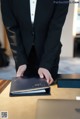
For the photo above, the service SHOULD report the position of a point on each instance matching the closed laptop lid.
(58, 109)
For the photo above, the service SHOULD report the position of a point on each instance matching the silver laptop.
(58, 109)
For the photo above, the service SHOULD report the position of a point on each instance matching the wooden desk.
(3, 84)
(25, 107)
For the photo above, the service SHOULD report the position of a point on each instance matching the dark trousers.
(33, 65)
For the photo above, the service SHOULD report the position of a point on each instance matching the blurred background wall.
(1, 29)
(70, 30)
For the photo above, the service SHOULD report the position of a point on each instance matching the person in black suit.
(36, 47)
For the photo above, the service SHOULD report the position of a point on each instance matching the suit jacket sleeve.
(13, 33)
(52, 44)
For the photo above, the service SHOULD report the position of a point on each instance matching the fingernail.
(48, 81)
(41, 76)
(18, 75)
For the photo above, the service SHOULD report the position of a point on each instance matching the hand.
(21, 70)
(44, 73)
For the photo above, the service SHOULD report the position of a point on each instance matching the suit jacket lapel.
(36, 12)
(41, 9)
(27, 2)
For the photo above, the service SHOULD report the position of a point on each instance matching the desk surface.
(25, 107)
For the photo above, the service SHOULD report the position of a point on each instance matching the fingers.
(48, 78)
(45, 73)
(41, 74)
(21, 70)
(51, 80)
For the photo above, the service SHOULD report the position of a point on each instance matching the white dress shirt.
(33, 9)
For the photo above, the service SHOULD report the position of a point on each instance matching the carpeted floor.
(66, 66)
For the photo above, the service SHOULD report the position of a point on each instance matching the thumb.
(21, 71)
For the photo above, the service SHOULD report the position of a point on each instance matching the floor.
(66, 66)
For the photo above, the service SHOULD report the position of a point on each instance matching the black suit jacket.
(45, 32)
